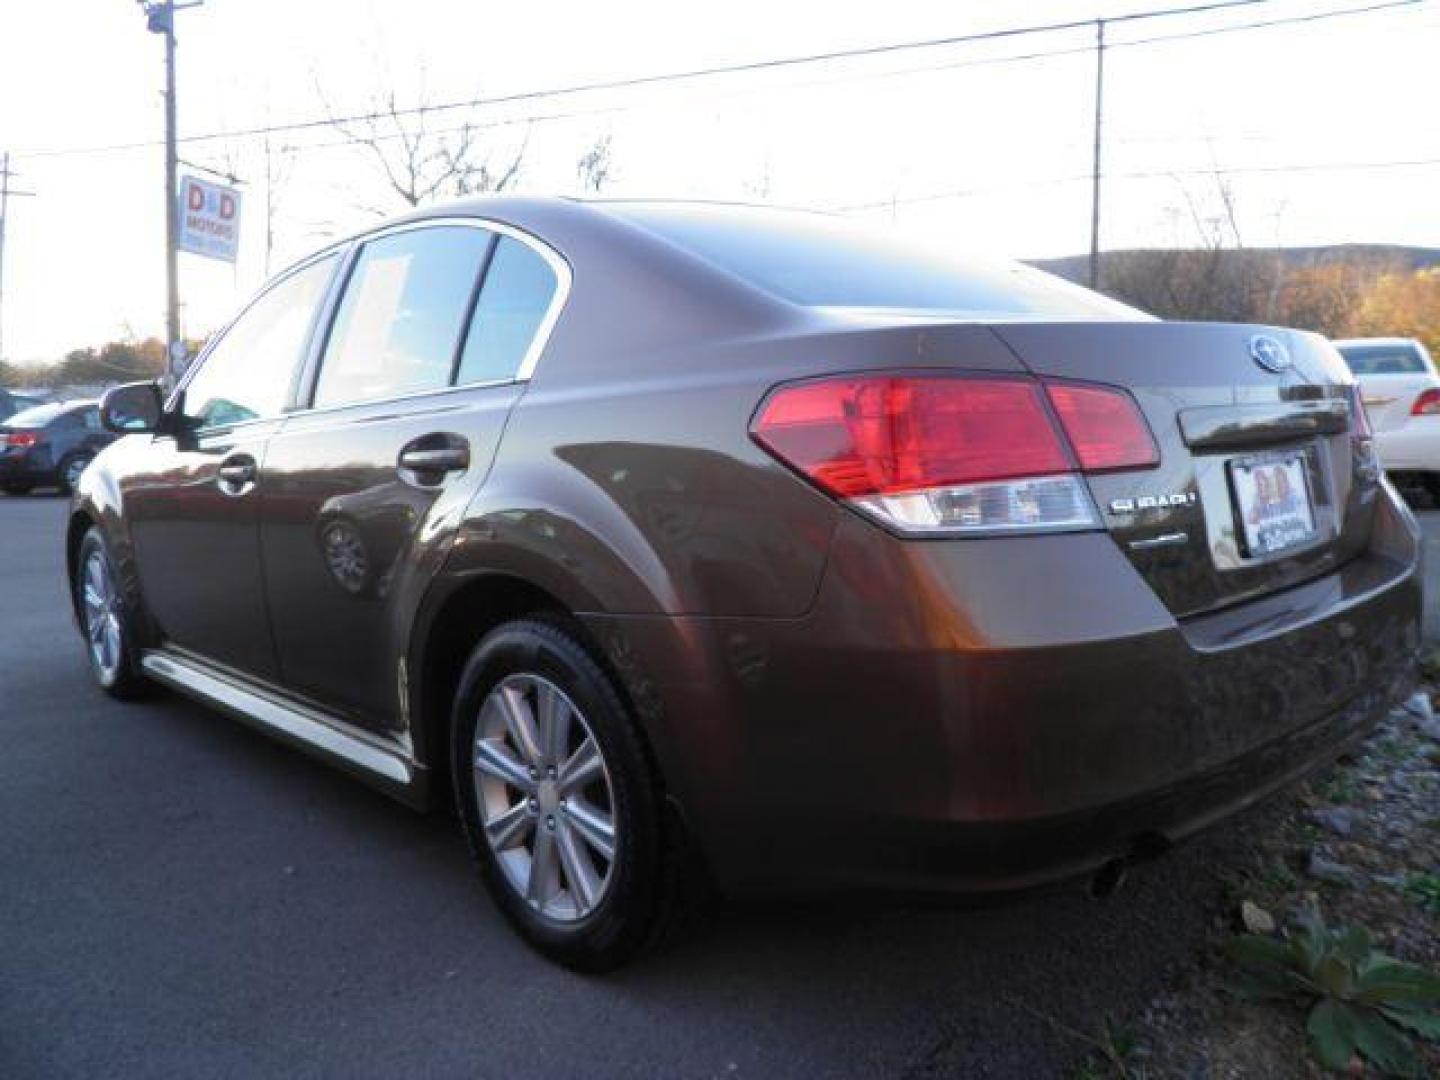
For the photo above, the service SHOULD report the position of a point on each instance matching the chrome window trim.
(348, 249)
(564, 279)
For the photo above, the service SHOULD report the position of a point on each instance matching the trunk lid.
(1389, 398)
(1227, 427)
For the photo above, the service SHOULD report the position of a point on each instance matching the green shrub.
(1359, 1000)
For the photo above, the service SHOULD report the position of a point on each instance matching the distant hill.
(1077, 267)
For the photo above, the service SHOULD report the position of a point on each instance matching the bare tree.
(419, 161)
(593, 168)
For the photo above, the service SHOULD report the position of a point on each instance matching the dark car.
(50, 445)
(12, 403)
(673, 535)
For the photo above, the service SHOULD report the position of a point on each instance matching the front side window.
(518, 291)
(399, 323)
(247, 375)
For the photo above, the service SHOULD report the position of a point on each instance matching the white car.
(1401, 391)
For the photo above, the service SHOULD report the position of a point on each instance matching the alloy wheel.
(102, 616)
(547, 807)
(346, 557)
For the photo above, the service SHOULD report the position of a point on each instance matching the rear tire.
(104, 621)
(533, 717)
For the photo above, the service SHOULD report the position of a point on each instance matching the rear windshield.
(823, 261)
(36, 417)
(1384, 359)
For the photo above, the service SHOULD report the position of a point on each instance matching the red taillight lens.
(956, 454)
(1427, 404)
(21, 439)
(1104, 426)
(868, 435)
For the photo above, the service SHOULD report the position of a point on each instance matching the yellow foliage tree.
(1401, 305)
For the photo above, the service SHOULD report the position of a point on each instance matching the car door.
(192, 498)
(407, 403)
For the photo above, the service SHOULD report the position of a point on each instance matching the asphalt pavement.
(179, 896)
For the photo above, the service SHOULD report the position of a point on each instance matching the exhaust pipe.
(1143, 847)
(1109, 878)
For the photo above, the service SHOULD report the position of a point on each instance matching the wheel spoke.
(544, 869)
(580, 873)
(595, 827)
(511, 827)
(112, 642)
(583, 768)
(554, 717)
(520, 722)
(493, 758)
(93, 600)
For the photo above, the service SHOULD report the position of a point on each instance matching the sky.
(966, 145)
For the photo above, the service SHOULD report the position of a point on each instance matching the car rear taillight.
(1105, 427)
(20, 440)
(938, 453)
(1427, 404)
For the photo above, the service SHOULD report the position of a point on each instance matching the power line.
(1145, 174)
(607, 110)
(753, 67)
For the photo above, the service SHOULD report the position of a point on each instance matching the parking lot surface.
(181, 897)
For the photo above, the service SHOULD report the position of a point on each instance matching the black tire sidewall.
(625, 916)
(126, 682)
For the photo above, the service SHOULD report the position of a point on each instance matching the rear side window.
(821, 261)
(1384, 360)
(518, 291)
(248, 374)
(398, 325)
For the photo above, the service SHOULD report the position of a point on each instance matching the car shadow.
(775, 988)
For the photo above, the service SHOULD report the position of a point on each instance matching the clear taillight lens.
(939, 453)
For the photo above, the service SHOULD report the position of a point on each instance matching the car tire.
(591, 915)
(104, 621)
(17, 487)
(68, 473)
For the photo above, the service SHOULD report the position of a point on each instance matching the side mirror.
(132, 408)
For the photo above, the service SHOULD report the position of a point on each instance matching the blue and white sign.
(209, 219)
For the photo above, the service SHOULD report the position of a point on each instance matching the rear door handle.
(236, 475)
(426, 461)
(446, 459)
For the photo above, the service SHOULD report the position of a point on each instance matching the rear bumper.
(1415, 447)
(28, 467)
(951, 717)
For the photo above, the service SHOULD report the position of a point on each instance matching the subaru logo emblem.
(1270, 353)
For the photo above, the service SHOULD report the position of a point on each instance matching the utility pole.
(160, 19)
(1095, 173)
(6, 191)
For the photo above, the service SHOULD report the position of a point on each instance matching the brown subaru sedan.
(658, 536)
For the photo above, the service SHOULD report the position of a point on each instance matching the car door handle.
(425, 462)
(236, 475)
(441, 459)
